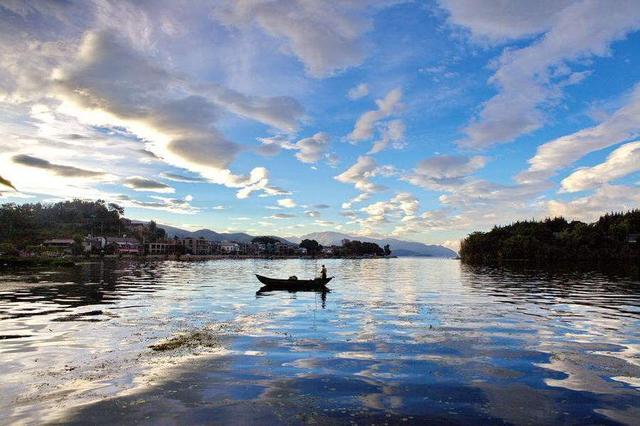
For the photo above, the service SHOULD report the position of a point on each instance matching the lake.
(406, 340)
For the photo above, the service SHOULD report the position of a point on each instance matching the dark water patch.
(14, 336)
(84, 316)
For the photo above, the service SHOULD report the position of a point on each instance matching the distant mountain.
(398, 247)
(208, 234)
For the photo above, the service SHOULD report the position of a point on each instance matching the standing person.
(323, 273)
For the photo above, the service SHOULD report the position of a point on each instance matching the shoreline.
(68, 261)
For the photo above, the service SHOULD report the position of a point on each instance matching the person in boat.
(323, 273)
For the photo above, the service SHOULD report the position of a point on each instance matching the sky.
(421, 120)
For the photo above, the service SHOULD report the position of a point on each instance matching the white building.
(229, 247)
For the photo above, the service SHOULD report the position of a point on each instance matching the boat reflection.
(268, 291)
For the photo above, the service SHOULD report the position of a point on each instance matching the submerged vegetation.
(613, 238)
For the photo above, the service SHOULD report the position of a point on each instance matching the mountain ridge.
(208, 234)
(398, 247)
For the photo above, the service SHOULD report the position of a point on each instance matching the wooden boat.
(289, 284)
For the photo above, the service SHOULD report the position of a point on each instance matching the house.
(330, 250)
(256, 248)
(230, 247)
(125, 245)
(284, 248)
(161, 247)
(59, 245)
(197, 246)
(91, 243)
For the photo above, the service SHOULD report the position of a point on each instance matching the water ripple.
(395, 340)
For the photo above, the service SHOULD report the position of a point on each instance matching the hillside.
(613, 238)
(398, 247)
(208, 234)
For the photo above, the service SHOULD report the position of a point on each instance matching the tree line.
(33, 223)
(26, 226)
(612, 238)
(348, 248)
(23, 226)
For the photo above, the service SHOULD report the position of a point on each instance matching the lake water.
(403, 340)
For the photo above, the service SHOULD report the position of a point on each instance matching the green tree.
(557, 240)
(312, 246)
(264, 240)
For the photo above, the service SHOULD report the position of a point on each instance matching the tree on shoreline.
(312, 246)
(556, 240)
(31, 224)
(264, 240)
(360, 248)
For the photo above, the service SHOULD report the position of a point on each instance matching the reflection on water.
(396, 340)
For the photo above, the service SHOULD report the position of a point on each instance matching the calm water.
(395, 341)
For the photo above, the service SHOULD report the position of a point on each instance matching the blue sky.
(421, 120)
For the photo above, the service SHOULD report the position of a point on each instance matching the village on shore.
(76, 229)
(190, 248)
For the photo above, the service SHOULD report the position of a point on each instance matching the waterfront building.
(197, 246)
(230, 247)
(58, 246)
(125, 245)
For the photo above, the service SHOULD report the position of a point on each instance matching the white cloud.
(280, 112)
(365, 125)
(287, 203)
(400, 210)
(496, 22)
(589, 208)
(112, 84)
(477, 205)
(621, 126)
(312, 149)
(325, 36)
(59, 169)
(492, 195)
(445, 171)
(621, 162)
(181, 178)
(172, 205)
(281, 216)
(139, 183)
(360, 175)
(309, 150)
(391, 133)
(359, 91)
(531, 77)
(451, 244)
